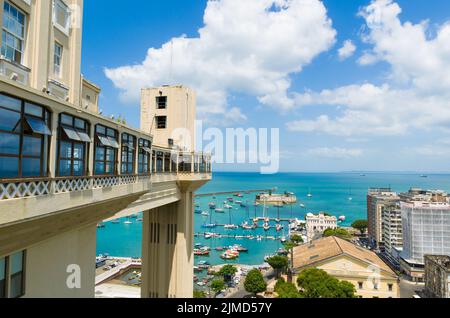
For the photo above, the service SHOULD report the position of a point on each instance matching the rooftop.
(331, 247)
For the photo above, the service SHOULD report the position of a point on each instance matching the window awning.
(104, 141)
(148, 150)
(71, 134)
(113, 143)
(38, 126)
(84, 137)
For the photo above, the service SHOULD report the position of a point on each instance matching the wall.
(46, 265)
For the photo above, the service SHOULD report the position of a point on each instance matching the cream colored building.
(317, 224)
(371, 277)
(64, 168)
(168, 113)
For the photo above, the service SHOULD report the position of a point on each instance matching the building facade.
(437, 276)
(392, 230)
(317, 224)
(377, 198)
(426, 230)
(64, 167)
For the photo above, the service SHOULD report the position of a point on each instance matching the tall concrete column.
(167, 250)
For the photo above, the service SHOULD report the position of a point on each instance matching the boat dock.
(242, 237)
(233, 192)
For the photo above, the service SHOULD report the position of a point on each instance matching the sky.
(355, 85)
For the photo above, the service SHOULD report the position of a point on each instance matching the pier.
(233, 192)
(241, 237)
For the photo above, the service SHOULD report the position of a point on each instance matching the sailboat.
(309, 194)
(230, 225)
(350, 198)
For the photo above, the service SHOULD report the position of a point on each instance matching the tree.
(286, 290)
(339, 232)
(199, 294)
(278, 263)
(217, 285)
(360, 225)
(316, 283)
(254, 282)
(228, 272)
(297, 239)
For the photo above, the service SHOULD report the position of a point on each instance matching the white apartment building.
(317, 224)
(392, 227)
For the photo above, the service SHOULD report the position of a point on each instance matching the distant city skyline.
(353, 85)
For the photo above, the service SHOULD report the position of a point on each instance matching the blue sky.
(395, 133)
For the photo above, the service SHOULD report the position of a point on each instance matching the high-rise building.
(426, 229)
(64, 167)
(392, 227)
(437, 276)
(377, 198)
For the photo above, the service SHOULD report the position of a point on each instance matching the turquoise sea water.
(331, 192)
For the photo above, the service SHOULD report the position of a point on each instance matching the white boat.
(309, 194)
(227, 206)
(220, 211)
(342, 218)
(204, 213)
(127, 222)
(302, 206)
(230, 226)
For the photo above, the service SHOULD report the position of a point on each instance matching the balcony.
(14, 71)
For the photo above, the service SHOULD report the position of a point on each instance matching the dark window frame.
(25, 131)
(161, 102)
(160, 125)
(108, 132)
(9, 276)
(63, 138)
(126, 152)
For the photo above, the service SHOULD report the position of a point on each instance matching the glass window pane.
(99, 168)
(38, 126)
(78, 168)
(31, 167)
(11, 103)
(100, 129)
(16, 289)
(65, 150)
(84, 137)
(65, 167)
(32, 146)
(78, 151)
(66, 120)
(9, 144)
(109, 168)
(9, 167)
(9, 120)
(99, 153)
(31, 109)
(80, 124)
(110, 155)
(16, 263)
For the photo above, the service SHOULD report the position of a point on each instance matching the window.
(61, 16)
(73, 146)
(161, 102)
(159, 161)
(390, 287)
(24, 138)
(144, 156)
(2, 277)
(128, 151)
(161, 122)
(13, 33)
(105, 150)
(360, 285)
(12, 275)
(16, 275)
(57, 59)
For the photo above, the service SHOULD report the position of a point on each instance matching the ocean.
(330, 193)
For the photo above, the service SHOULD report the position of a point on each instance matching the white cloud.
(250, 47)
(347, 50)
(335, 153)
(416, 94)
